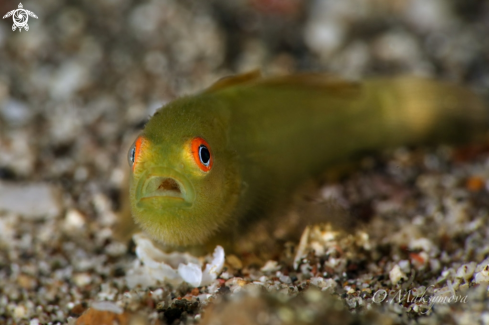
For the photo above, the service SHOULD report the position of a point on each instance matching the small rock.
(82, 279)
(482, 276)
(26, 282)
(396, 275)
(30, 200)
(324, 284)
(475, 183)
(74, 220)
(116, 249)
(466, 271)
(285, 279)
(405, 266)
(103, 317)
(270, 266)
(16, 112)
(234, 261)
(19, 312)
(79, 309)
(70, 77)
(107, 306)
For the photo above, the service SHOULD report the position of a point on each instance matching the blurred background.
(78, 85)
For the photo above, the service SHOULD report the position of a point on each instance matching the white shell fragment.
(153, 266)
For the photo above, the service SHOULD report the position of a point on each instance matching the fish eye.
(131, 155)
(134, 152)
(202, 154)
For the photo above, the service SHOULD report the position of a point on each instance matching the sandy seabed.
(77, 87)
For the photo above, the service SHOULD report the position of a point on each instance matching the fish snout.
(162, 186)
(166, 183)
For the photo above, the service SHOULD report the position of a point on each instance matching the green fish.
(208, 164)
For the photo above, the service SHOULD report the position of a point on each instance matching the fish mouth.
(163, 186)
(167, 184)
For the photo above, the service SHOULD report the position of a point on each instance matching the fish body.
(209, 163)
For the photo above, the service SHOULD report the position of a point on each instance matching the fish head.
(185, 181)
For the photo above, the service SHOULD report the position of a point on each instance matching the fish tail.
(418, 111)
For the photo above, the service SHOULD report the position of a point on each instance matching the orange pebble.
(416, 257)
(102, 317)
(475, 184)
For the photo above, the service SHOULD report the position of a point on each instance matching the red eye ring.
(201, 151)
(134, 152)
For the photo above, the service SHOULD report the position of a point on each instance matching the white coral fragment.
(213, 269)
(190, 273)
(154, 265)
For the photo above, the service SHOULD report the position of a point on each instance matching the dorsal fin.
(229, 81)
(323, 82)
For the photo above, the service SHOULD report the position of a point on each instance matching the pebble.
(19, 312)
(234, 261)
(16, 112)
(466, 271)
(270, 266)
(405, 266)
(33, 201)
(429, 15)
(70, 77)
(324, 284)
(74, 220)
(396, 275)
(101, 317)
(82, 279)
(482, 276)
(107, 306)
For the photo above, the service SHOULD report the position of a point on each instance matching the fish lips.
(165, 184)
